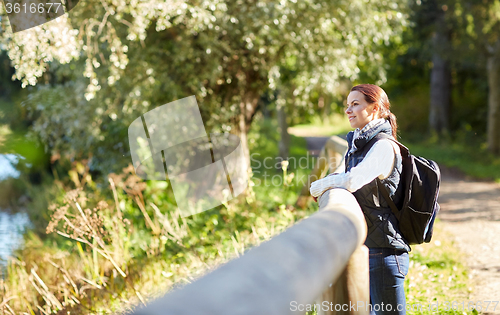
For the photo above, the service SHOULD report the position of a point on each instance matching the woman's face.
(358, 111)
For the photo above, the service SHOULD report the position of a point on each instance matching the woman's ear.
(376, 110)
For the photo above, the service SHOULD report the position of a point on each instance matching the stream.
(12, 225)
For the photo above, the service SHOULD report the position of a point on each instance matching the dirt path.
(470, 212)
(315, 144)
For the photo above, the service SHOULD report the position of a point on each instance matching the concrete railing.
(320, 260)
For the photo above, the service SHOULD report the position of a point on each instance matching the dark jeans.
(388, 268)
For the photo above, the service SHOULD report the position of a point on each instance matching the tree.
(139, 55)
(439, 110)
(284, 144)
(429, 43)
(481, 20)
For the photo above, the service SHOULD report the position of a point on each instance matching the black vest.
(383, 229)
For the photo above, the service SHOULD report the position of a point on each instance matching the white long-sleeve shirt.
(378, 162)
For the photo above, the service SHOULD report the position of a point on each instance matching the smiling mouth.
(351, 118)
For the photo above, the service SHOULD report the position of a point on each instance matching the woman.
(372, 155)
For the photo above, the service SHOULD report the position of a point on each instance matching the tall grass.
(112, 248)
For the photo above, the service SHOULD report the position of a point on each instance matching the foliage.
(410, 66)
(136, 56)
(481, 21)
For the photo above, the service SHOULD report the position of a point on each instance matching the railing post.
(334, 159)
(351, 293)
(331, 155)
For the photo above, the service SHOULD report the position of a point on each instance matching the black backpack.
(420, 181)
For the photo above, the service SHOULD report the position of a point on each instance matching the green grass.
(269, 178)
(323, 126)
(138, 264)
(437, 277)
(125, 262)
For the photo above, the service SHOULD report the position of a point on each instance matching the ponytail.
(394, 125)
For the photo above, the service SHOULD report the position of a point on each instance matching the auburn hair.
(375, 94)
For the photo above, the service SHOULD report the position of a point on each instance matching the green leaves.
(134, 56)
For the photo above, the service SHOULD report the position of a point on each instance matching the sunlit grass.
(109, 256)
(322, 126)
(4, 132)
(437, 280)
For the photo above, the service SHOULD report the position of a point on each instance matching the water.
(12, 226)
(7, 169)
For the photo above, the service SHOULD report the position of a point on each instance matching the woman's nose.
(348, 110)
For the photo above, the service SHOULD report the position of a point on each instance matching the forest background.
(100, 239)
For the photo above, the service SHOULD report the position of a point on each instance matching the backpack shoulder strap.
(405, 152)
(388, 198)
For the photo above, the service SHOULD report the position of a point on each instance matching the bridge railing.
(329, 159)
(319, 263)
(320, 260)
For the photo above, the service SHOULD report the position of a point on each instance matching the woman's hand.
(319, 187)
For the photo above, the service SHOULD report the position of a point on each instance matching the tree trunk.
(439, 111)
(493, 68)
(265, 111)
(248, 109)
(242, 133)
(284, 144)
(328, 108)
